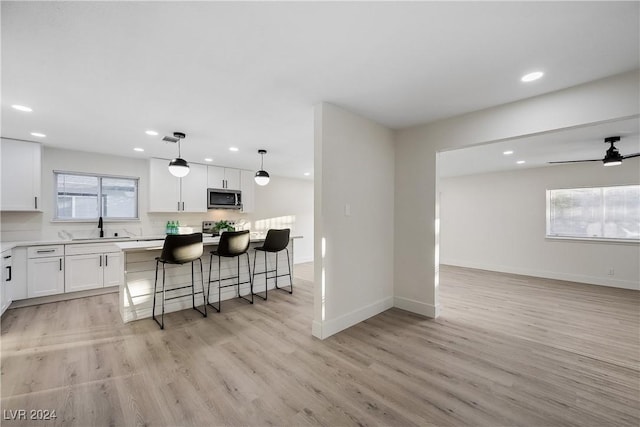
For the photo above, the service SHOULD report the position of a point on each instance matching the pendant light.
(178, 167)
(262, 177)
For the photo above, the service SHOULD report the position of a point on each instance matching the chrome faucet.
(100, 227)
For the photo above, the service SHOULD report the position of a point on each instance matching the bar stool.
(276, 241)
(232, 244)
(179, 249)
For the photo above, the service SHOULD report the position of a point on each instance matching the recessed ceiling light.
(138, 149)
(233, 148)
(307, 173)
(22, 108)
(532, 76)
(208, 160)
(151, 132)
(38, 134)
(508, 152)
(520, 162)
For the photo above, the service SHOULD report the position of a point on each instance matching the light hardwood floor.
(508, 350)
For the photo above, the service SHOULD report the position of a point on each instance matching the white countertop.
(124, 243)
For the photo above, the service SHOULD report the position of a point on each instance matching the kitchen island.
(139, 267)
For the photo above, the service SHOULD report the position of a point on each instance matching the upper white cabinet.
(170, 194)
(21, 172)
(248, 193)
(220, 177)
(194, 189)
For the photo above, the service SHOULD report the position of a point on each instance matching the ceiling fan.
(612, 158)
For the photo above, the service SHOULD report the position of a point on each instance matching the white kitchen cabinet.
(45, 274)
(194, 189)
(18, 288)
(91, 266)
(248, 192)
(170, 194)
(21, 176)
(221, 177)
(7, 276)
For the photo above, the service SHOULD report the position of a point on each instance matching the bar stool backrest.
(276, 240)
(181, 248)
(233, 243)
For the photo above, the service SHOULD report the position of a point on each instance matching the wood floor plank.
(507, 350)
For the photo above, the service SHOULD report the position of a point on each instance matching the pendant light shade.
(262, 177)
(178, 167)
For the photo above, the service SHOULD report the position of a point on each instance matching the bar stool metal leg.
(289, 268)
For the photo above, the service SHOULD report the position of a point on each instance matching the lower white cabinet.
(91, 266)
(7, 276)
(45, 271)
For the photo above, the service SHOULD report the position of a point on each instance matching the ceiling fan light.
(261, 177)
(613, 162)
(179, 167)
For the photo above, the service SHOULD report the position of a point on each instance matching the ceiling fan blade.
(579, 161)
(631, 155)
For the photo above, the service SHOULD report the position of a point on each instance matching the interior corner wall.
(354, 217)
(496, 221)
(416, 176)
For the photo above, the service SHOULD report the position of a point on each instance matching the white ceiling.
(246, 74)
(580, 143)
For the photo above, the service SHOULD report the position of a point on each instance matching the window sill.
(593, 240)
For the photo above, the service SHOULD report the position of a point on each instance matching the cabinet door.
(164, 193)
(5, 297)
(232, 178)
(21, 163)
(83, 272)
(247, 187)
(215, 177)
(112, 269)
(45, 276)
(194, 189)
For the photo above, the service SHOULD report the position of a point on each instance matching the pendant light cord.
(262, 161)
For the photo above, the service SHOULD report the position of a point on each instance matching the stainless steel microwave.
(221, 198)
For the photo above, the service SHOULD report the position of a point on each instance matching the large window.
(87, 197)
(594, 213)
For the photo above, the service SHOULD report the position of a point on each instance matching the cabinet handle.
(100, 258)
(182, 206)
(60, 263)
(36, 201)
(178, 205)
(7, 257)
(106, 260)
(45, 251)
(9, 279)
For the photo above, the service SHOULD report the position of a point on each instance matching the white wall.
(354, 171)
(416, 253)
(496, 221)
(270, 201)
(287, 203)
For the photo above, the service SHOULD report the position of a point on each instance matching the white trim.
(303, 260)
(330, 327)
(417, 307)
(579, 278)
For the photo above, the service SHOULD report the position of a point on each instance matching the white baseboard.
(418, 307)
(330, 327)
(303, 260)
(580, 278)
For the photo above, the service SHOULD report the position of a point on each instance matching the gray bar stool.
(276, 241)
(232, 244)
(179, 249)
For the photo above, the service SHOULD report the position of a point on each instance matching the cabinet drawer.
(90, 248)
(45, 251)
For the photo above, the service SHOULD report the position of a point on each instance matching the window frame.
(599, 239)
(99, 195)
